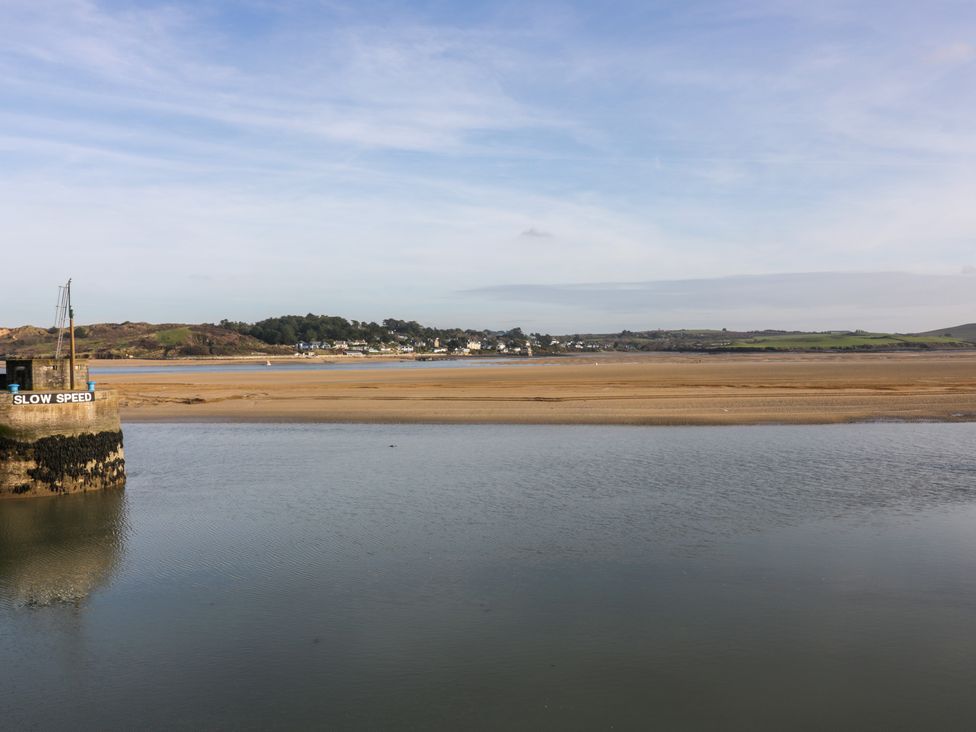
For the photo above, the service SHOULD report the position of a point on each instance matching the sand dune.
(605, 389)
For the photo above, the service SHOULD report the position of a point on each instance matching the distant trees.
(408, 328)
(290, 329)
(287, 334)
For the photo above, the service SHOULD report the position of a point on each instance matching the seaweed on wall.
(61, 462)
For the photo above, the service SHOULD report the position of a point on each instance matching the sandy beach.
(654, 389)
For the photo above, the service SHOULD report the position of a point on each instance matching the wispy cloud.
(820, 300)
(954, 53)
(397, 148)
(404, 87)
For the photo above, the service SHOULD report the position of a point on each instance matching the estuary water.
(501, 577)
(364, 364)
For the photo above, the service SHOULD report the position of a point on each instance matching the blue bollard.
(91, 386)
(14, 388)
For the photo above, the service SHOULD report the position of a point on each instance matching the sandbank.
(638, 389)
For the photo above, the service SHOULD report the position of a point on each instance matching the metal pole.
(71, 326)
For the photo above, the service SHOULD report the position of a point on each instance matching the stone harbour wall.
(50, 449)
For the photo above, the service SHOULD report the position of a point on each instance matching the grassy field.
(829, 341)
(174, 336)
(702, 339)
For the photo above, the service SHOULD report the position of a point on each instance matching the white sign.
(64, 397)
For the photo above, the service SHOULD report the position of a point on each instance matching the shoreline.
(296, 360)
(270, 420)
(621, 389)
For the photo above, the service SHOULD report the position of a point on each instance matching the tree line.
(311, 328)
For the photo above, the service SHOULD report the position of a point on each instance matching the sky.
(561, 166)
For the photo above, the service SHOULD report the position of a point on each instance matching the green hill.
(138, 340)
(962, 332)
(172, 340)
(857, 340)
(774, 340)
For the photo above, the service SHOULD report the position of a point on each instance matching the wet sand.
(603, 389)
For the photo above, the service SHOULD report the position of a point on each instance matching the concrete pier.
(55, 441)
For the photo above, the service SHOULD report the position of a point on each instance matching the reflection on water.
(59, 550)
(501, 577)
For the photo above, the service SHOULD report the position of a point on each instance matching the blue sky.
(470, 163)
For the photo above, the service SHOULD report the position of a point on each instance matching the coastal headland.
(618, 388)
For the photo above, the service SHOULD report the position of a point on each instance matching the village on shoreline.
(322, 335)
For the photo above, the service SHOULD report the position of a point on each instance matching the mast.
(71, 332)
(60, 316)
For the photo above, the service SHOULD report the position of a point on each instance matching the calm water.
(354, 365)
(501, 577)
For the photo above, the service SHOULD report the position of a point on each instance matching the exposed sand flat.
(604, 389)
